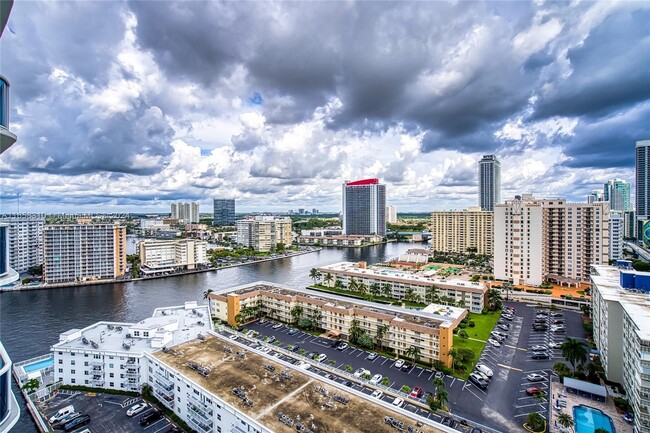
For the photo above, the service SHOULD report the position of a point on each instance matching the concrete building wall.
(456, 231)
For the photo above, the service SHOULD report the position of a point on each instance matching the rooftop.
(167, 326)
(391, 274)
(284, 389)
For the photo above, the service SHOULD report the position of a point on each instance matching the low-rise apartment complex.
(340, 240)
(173, 254)
(455, 231)
(25, 241)
(263, 233)
(397, 283)
(430, 329)
(549, 239)
(83, 252)
(621, 320)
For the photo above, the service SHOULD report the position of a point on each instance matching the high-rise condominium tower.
(489, 182)
(224, 212)
(643, 190)
(364, 207)
(617, 193)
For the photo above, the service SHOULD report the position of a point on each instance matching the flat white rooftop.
(166, 327)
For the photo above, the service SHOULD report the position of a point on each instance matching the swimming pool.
(40, 365)
(587, 419)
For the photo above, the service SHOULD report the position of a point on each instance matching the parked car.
(377, 393)
(398, 402)
(136, 409)
(61, 413)
(173, 429)
(476, 430)
(539, 327)
(439, 375)
(503, 327)
(311, 355)
(271, 339)
(557, 322)
(535, 377)
(342, 346)
(79, 421)
(151, 417)
(62, 421)
(540, 355)
(277, 326)
(293, 331)
(417, 392)
(295, 348)
(538, 348)
(406, 367)
(372, 356)
(478, 380)
(500, 338)
(556, 315)
(304, 366)
(361, 372)
(322, 357)
(399, 363)
(376, 379)
(533, 390)
(494, 342)
(233, 337)
(348, 383)
(485, 370)
(507, 317)
(558, 328)
(483, 375)
(556, 345)
(449, 422)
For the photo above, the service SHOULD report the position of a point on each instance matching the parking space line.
(429, 379)
(361, 352)
(384, 361)
(166, 426)
(421, 373)
(353, 350)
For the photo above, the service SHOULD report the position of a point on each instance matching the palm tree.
(206, 293)
(413, 352)
(374, 289)
(494, 298)
(314, 274)
(381, 333)
(316, 317)
(362, 288)
(328, 279)
(409, 294)
(387, 290)
(565, 420)
(355, 330)
(353, 285)
(442, 396)
(432, 294)
(575, 352)
(31, 385)
(296, 313)
(239, 318)
(453, 353)
(461, 303)
(338, 284)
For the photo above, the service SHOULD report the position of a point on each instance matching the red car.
(533, 390)
(417, 392)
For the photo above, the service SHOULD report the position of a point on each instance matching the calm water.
(30, 322)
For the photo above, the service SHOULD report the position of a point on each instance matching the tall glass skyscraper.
(489, 182)
(364, 207)
(617, 193)
(224, 212)
(643, 191)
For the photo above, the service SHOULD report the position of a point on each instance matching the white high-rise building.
(455, 231)
(595, 195)
(172, 254)
(391, 214)
(616, 232)
(540, 239)
(364, 207)
(489, 182)
(25, 241)
(263, 233)
(186, 212)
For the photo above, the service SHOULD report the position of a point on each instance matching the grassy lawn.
(484, 325)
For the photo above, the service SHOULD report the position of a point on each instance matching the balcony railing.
(196, 423)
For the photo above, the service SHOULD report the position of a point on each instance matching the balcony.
(196, 423)
(7, 138)
(199, 413)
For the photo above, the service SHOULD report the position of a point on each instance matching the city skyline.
(147, 123)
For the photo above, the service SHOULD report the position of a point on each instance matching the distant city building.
(154, 224)
(616, 231)
(617, 193)
(415, 255)
(157, 256)
(391, 214)
(595, 195)
(620, 304)
(455, 231)
(549, 239)
(339, 240)
(314, 211)
(489, 182)
(263, 233)
(25, 241)
(642, 194)
(364, 207)
(83, 252)
(630, 225)
(186, 212)
(322, 231)
(7, 274)
(224, 212)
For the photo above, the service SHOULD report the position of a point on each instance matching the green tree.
(362, 288)
(413, 352)
(453, 353)
(31, 385)
(565, 420)
(364, 340)
(409, 294)
(317, 317)
(494, 299)
(387, 290)
(375, 289)
(206, 293)
(535, 422)
(600, 430)
(442, 397)
(348, 368)
(574, 351)
(296, 313)
(385, 381)
(432, 294)
(382, 330)
(355, 330)
(338, 284)
(328, 279)
(462, 334)
(239, 317)
(561, 369)
(353, 285)
(314, 274)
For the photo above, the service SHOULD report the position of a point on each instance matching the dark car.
(295, 348)
(449, 422)
(173, 429)
(76, 423)
(476, 430)
(335, 344)
(152, 416)
(538, 327)
(557, 321)
(406, 367)
(540, 355)
(478, 380)
(348, 383)
(556, 315)
(540, 321)
(311, 355)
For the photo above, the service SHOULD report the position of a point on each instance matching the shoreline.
(22, 288)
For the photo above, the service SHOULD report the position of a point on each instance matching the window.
(60, 370)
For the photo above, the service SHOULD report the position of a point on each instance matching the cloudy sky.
(128, 106)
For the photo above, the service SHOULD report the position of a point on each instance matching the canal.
(31, 321)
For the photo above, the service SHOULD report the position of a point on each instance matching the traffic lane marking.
(510, 367)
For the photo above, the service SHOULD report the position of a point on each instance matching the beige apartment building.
(549, 239)
(396, 282)
(454, 231)
(83, 252)
(430, 329)
(263, 233)
(170, 255)
(339, 240)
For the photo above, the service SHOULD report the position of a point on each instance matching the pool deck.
(557, 389)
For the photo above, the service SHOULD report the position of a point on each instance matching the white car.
(136, 409)
(535, 377)
(233, 337)
(398, 402)
(304, 366)
(277, 325)
(376, 379)
(360, 372)
(556, 345)
(321, 357)
(399, 363)
(485, 370)
(377, 393)
(493, 342)
(482, 375)
(265, 349)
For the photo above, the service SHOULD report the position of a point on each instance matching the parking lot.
(504, 405)
(107, 412)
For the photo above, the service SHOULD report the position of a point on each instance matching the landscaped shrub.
(472, 324)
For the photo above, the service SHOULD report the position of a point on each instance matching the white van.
(61, 413)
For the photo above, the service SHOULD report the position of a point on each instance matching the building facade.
(339, 240)
(540, 239)
(173, 254)
(616, 232)
(397, 284)
(7, 274)
(83, 252)
(617, 193)
(364, 207)
(621, 320)
(489, 182)
(25, 241)
(630, 225)
(430, 329)
(391, 214)
(264, 233)
(185, 212)
(457, 230)
(224, 212)
(642, 194)
(595, 195)
(9, 409)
